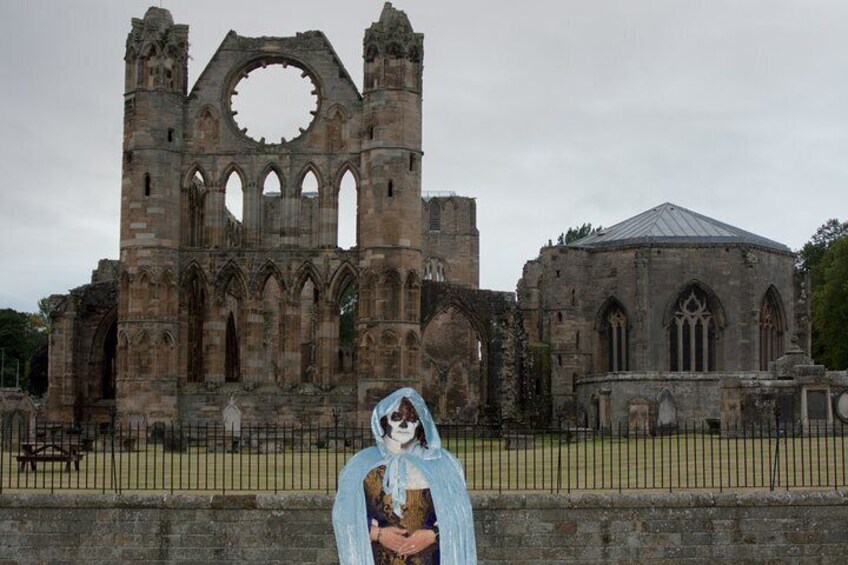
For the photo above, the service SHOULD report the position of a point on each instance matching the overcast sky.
(550, 113)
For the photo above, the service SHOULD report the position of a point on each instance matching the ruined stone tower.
(154, 94)
(390, 200)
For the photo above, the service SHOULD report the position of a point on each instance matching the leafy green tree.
(575, 233)
(822, 258)
(21, 335)
(813, 251)
(830, 306)
(44, 312)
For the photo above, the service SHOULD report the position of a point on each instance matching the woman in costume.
(404, 501)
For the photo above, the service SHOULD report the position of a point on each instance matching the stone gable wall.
(540, 529)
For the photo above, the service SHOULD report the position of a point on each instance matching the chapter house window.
(771, 330)
(615, 339)
(692, 334)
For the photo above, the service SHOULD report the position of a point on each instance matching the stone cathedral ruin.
(667, 316)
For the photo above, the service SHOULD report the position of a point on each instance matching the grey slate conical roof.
(669, 224)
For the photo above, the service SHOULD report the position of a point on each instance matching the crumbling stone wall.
(83, 348)
(485, 330)
(211, 306)
(451, 239)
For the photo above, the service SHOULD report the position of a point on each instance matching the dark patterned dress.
(418, 514)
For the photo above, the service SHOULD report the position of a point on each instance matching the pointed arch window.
(434, 270)
(196, 322)
(347, 211)
(170, 65)
(273, 185)
(271, 300)
(309, 184)
(771, 329)
(234, 196)
(391, 296)
(196, 197)
(390, 354)
(308, 327)
(232, 366)
(692, 333)
(615, 339)
(347, 325)
(149, 76)
(366, 297)
(234, 203)
(411, 298)
(411, 355)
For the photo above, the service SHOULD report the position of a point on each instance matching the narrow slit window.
(147, 185)
(435, 216)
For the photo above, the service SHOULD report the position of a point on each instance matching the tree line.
(825, 259)
(23, 348)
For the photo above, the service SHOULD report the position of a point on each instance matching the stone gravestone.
(639, 416)
(842, 407)
(667, 412)
(232, 425)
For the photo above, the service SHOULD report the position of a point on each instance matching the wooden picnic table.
(48, 452)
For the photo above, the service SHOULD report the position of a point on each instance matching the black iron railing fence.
(185, 457)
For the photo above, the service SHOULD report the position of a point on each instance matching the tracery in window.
(692, 333)
(614, 339)
(434, 270)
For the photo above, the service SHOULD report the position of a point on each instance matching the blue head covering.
(442, 471)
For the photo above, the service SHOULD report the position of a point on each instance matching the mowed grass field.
(542, 463)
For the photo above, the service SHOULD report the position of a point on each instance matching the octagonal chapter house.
(645, 318)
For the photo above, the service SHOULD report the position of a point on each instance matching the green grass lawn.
(693, 461)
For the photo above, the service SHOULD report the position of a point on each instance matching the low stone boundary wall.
(797, 527)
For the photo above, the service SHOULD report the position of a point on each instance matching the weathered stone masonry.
(267, 309)
(540, 529)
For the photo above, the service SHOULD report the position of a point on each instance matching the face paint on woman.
(402, 429)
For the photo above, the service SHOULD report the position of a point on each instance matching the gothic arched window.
(614, 339)
(771, 329)
(391, 296)
(411, 298)
(196, 301)
(232, 363)
(434, 270)
(692, 333)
